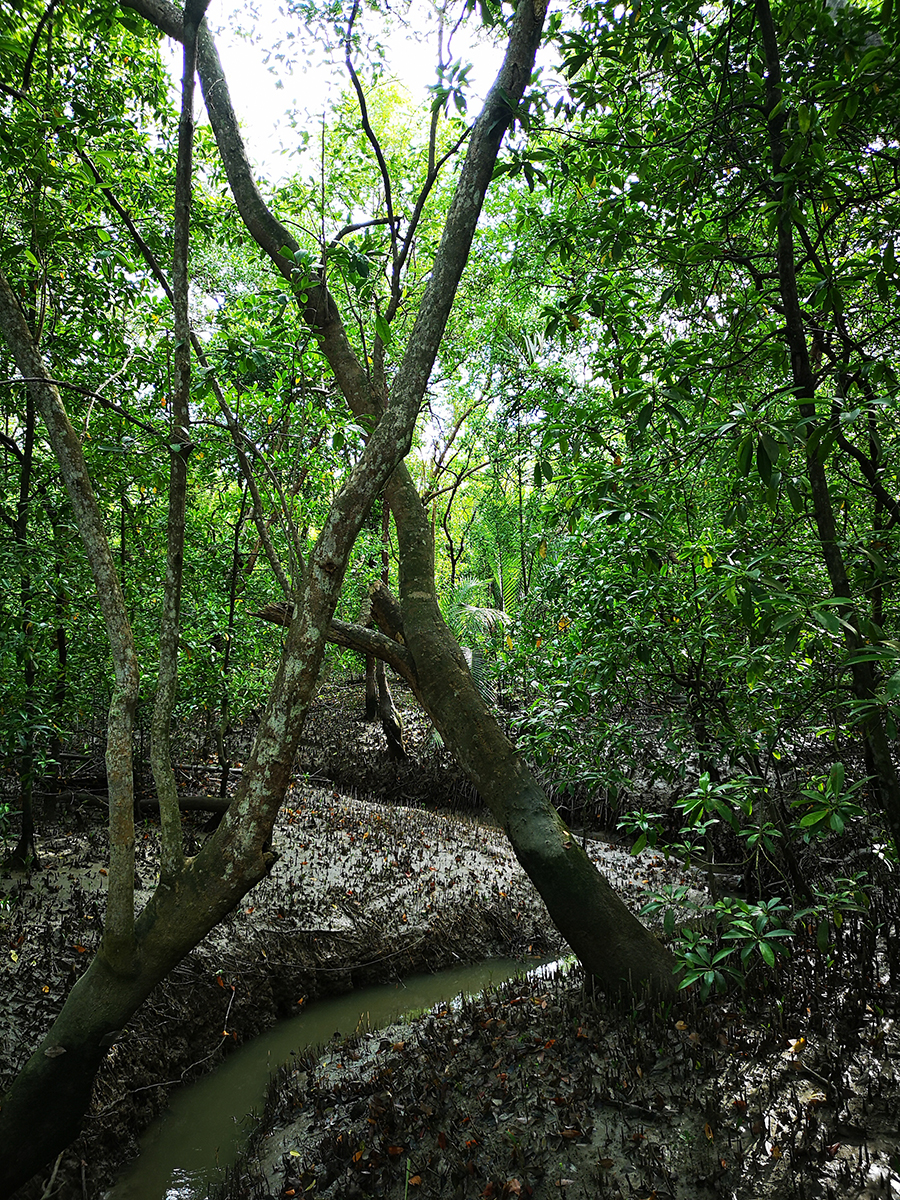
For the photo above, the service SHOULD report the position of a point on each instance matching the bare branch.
(32, 49)
(352, 228)
(373, 142)
(83, 391)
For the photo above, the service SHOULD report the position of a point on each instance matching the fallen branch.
(186, 802)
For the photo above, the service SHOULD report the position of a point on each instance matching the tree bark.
(24, 856)
(172, 845)
(117, 937)
(391, 721)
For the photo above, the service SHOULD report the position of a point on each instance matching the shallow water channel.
(189, 1145)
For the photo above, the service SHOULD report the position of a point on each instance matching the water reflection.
(187, 1148)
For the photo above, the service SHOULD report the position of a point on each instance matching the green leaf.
(812, 818)
(795, 497)
(382, 329)
(643, 418)
(772, 448)
(763, 462)
(748, 609)
(745, 455)
(827, 620)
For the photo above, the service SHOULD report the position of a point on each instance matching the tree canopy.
(581, 414)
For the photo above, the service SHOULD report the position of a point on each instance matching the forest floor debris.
(536, 1089)
(361, 893)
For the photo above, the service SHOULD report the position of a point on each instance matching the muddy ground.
(537, 1089)
(359, 895)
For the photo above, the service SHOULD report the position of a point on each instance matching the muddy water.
(205, 1125)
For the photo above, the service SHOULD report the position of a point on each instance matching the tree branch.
(319, 311)
(373, 142)
(351, 637)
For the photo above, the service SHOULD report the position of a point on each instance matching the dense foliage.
(660, 448)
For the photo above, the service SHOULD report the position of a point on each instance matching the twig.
(49, 1188)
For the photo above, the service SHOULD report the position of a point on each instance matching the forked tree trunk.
(391, 721)
(616, 948)
(614, 945)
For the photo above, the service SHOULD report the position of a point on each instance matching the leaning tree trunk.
(611, 943)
